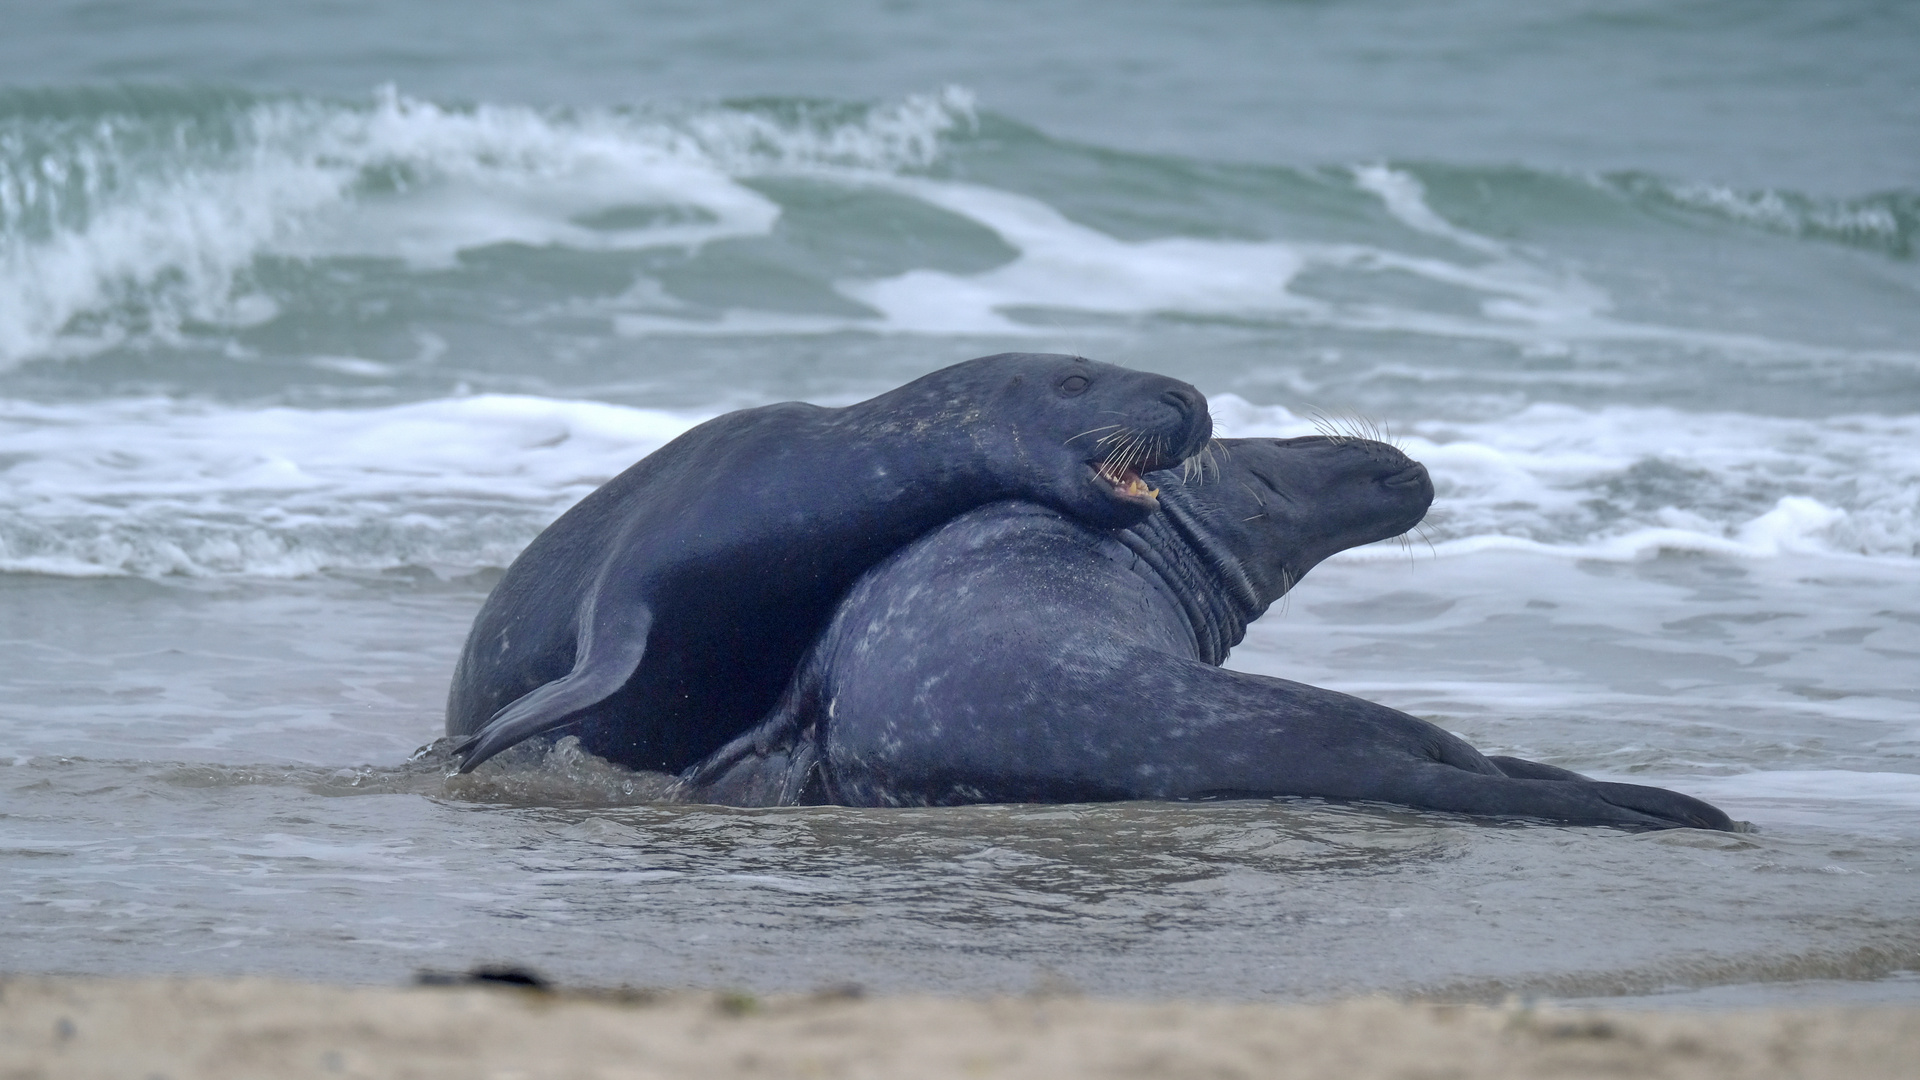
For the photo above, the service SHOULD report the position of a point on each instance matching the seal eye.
(1074, 384)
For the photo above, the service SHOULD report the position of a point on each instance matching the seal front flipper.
(775, 764)
(608, 653)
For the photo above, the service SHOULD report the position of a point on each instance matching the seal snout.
(1174, 427)
(1410, 488)
(1413, 476)
(1195, 425)
(1185, 400)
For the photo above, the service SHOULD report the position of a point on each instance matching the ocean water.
(311, 318)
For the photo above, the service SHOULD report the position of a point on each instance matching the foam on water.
(1863, 803)
(152, 486)
(1893, 789)
(120, 225)
(118, 222)
(1888, 221)
(1522, 297)
(155, 487)
(1623, 482)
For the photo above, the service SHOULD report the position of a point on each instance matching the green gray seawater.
(311, 317)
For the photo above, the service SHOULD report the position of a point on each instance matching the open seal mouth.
(1126, 455)
(1126, 482)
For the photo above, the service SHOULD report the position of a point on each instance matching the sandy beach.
(60, 1027)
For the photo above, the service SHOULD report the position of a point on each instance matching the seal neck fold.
(1216, 595)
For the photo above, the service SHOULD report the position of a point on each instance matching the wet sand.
(57, 1027)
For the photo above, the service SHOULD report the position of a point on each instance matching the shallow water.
(192, 809)
(291, 363)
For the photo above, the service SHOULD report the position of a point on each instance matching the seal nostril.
(1412, 476)
(1195, 422)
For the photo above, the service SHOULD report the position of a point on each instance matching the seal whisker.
(1118, 459)
(1090, 431)
(1326, 426)
(1351, 427)
(1224, 454)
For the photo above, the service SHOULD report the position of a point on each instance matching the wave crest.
(137, 214)
(1887, 222)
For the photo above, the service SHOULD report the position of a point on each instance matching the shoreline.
(179, 1028)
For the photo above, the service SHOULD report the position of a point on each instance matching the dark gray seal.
(1018, 656)
(661, 616)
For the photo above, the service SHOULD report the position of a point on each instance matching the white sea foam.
(1892, 788)
(157, 487)
(1064, 266)
(1856, 802)
(147, 239)
(1886, 221)
(117, 230)
(1627, 482)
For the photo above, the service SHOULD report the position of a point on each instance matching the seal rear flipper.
(1443, 787)
(1684, 809)
(609, 652)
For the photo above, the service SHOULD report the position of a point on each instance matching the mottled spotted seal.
(1016, 655)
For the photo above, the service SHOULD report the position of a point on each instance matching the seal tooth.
(1126, 481)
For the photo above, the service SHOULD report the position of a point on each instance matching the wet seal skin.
(661, 616)
(1015, 655)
